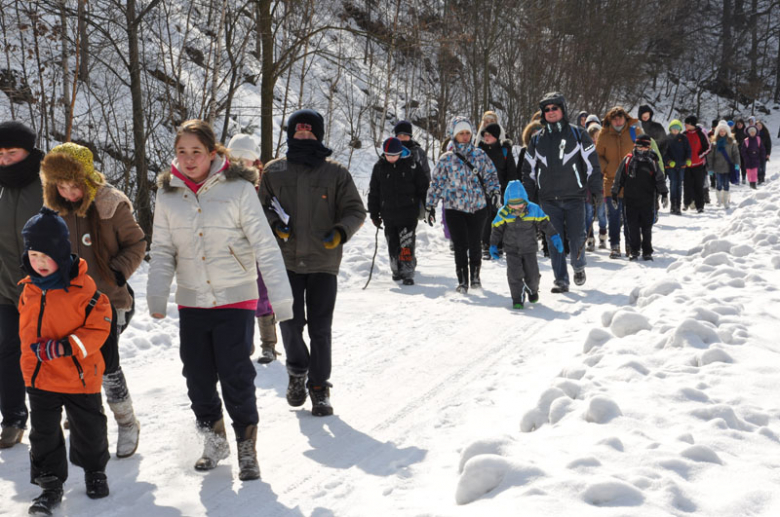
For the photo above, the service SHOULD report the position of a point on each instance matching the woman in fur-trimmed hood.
(105, 234)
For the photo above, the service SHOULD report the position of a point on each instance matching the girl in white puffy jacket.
(210, 232)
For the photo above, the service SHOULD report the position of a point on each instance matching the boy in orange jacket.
(63, 322)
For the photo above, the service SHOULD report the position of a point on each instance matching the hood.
(515, 190)
(677, 123)
(645, 109)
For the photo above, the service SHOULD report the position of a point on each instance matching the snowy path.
(422, 375)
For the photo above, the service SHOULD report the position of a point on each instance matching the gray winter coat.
(318, 200)
(717, 163)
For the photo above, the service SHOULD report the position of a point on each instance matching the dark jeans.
(693, 186)
(639, 223)
(568, 217)
(215, 346)
(762, 172)
(615, 216)
(466, 232)
(599, 211)
(314, 299)
(88, 434)
(675, 176)
(723, 181)
(400, 247)
(12, 406)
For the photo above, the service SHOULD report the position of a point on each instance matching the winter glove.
(282, 231)
(495, 200)
(711, 173)
(664, 200)
(48, 349)
(119, 277)
(687, 163)
(377, 221)
(736, 167)
(672, 164)
(615, 201)
(557, 243)
(494, 252)
(430, 215)
(333, 239)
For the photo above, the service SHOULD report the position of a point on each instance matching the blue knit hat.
(393, 147)
(46, 232)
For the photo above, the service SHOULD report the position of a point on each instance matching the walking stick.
(373, 260)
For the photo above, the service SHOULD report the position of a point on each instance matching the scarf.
(307, 152)
(21, 174)
(721, 144)
(619, 129)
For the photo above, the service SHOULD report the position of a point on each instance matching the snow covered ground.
(651, 390)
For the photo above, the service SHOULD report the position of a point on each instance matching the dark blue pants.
(568, 218)
(215, 346)
(615, 216)
(723, 181)
(314, 299)
(675, 176)
(88, 434)
(12, 406)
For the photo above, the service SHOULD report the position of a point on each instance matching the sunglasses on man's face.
(551, 108)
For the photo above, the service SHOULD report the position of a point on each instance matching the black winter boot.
(49, 498)
(463, 281)
(296, 390)
(475, 282)
(320, 401)
(97, 484)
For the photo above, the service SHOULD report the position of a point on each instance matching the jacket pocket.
(235, 257)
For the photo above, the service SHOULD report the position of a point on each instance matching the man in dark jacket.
(397, 188)
(561, 166)
(313, 207)
(652, 128)
(403, 132)
(21, 197)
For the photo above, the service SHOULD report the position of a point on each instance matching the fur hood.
(60, 167)
(235, 171)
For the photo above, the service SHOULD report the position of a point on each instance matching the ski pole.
(373, 260)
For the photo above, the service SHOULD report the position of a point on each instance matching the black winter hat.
(404, 127)
(493, 129)
(16, 134)
(645, 109)
(47, 233)
(691, 120)
(643, 141)
(556, 98)
(306, 120)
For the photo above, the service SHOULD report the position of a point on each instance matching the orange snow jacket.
(57, 314)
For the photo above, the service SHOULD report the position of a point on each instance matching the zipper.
(79, 370)
(233, 253)
(38, 334)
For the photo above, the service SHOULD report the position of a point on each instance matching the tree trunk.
(64, 46)
(777, 73)
(142, 202)
(212, 109)
(268, 82)
(753, 76)
(726, 50)
(83, 43)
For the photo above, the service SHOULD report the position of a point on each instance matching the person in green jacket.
(21, 197)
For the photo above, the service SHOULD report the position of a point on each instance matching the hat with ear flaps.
(70, 163)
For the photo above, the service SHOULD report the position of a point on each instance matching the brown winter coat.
(612, 147)
(121, 238)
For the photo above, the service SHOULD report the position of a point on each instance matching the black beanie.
(643, 141)
(306, 120)
(645, 109)
(404, 127)
(493, 129)
(691, 120)
(47, 233)
(15, 134)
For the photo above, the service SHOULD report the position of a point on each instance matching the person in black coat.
(652, 128)
(398, 186)
(766, 140)
(641, 179)
(677, 157)
(500, 153)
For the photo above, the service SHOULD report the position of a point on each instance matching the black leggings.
(466, 232)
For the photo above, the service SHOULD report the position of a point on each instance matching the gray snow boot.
(247, 455)
(121, 406)
(268, 338)
(215, 446)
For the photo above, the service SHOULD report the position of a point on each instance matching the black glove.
(119, 277)
(430, 215)
(614, 201)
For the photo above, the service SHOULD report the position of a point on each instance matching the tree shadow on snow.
(338, 445)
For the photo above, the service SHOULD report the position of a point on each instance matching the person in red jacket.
(696, 173)
(63, 322)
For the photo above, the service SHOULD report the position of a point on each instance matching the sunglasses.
(551, 108)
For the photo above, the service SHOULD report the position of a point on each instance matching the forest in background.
(120, 75)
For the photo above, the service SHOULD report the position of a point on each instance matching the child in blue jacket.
(517, 223)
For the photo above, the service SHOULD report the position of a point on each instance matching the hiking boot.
(518, 305)
(49, 498)
(753, 185)
(463, 281)
(268, 339)
(10, 436)
(591, 246)
(320, 401)
(533, 297)
(700, 210)
(475, 282)
(408, 281)
(579, 277)
(560, 288)
(215, 446)
(296, 390)
(602, 241)
(97, 484)
(247, 455)
(647, 257)
(614, 252)
(633, 258)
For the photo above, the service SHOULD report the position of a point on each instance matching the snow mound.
(613, 493)
(692, 333)
(486, 473)
(495, 446)
(716, 246)
(701, 453)
(596, 337)
(559, 409)
(714, 355)
(626, 323)
(723, 413)
(601, 410)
